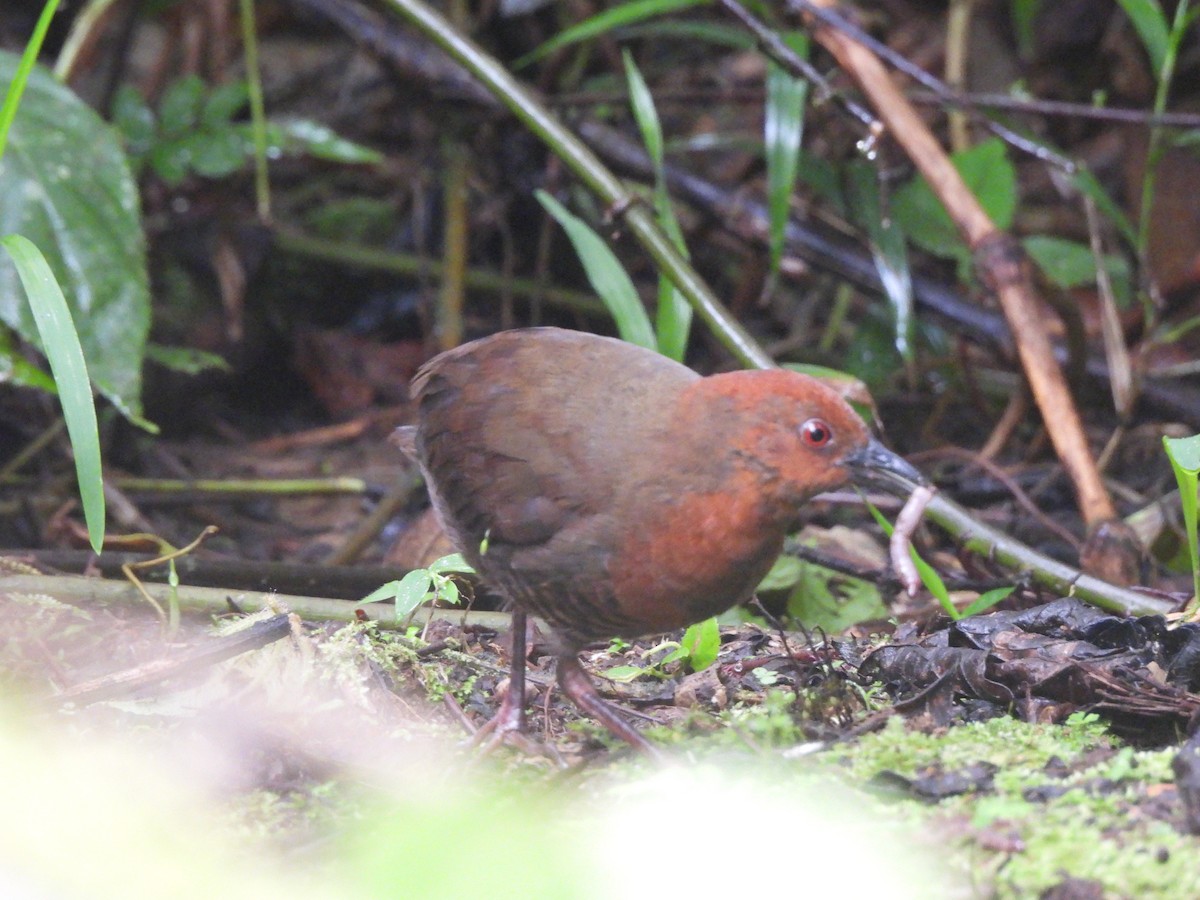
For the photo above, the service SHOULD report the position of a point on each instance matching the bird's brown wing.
(521, 433)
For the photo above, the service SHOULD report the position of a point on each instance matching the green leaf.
(606, 274)
(783, 131)
(61, 344)
(784, 574)
(67, 187)
(888, 249)
(625, 14)
(188, 360)
(1184, 454)
(223, 103)
(624, 674)
(990, 177)
(1150, 22)
(987, 600)
(1070, 264)
(834, 602)
(16, 369)
(1065, 262)
(702, 642)
(929, 577)
(454, 563)
(674, 318)
(170, 160)
(447, 591)
(215, 153)
(408, 593)
(295, 137)
(181, 105)
(134, 119)
(643, 110)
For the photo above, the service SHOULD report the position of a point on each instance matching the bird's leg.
(510, 717)
(576, 684)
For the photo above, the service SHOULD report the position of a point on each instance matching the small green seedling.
(1184, 454)
(698, 648)
(422, 585)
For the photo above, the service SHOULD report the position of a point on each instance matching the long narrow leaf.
(60, 341)
(1184, 454)
(674, 319)
(783, 131)
(606, 274)
(1150, 22)
(12, 99)
(602, 23)
(888, 249)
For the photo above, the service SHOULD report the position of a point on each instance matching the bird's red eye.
(815, 433)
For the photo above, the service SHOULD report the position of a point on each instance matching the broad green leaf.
(602, 23)
(224, 102)
(783, 131)
(170, 160)
(447, 591)
(702, 642)
(1184, 454)
(67, 187)
(408, 593)
(61, 345)
(606, 274)
(1150, 22)
(990, 177)
(216, 153)
(1070, 264)
(453, 563)
(784, 574)
(181, 106)
(624, 674)
(834, 602)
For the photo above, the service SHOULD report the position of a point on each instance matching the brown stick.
(1000, 260)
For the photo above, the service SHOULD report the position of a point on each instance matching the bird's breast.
(695, 556)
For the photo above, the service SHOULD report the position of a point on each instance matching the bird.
(614, 492)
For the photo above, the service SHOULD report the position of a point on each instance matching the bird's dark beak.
(875, 466)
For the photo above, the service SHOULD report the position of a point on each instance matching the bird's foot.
(576, 684)
(507, 728)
